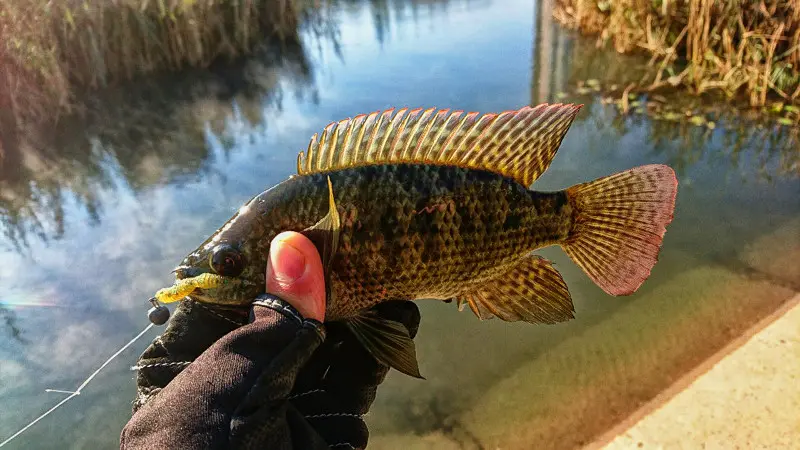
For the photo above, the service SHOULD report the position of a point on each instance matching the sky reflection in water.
(94, 226)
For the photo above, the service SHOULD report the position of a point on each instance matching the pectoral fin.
(325, 236)
(387, 340)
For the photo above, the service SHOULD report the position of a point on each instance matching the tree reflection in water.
(151, 133)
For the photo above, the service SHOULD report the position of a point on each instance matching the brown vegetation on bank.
(51, 50)
(736, 47)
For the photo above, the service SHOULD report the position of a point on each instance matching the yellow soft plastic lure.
(184, 287)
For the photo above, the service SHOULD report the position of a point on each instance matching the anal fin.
(532, 291)
(387, 340)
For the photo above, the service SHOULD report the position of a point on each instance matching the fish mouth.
(196, 286)
(186, 285)
(182, 272)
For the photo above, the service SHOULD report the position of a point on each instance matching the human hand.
(338, 384)
(281, 379)
(294, 273)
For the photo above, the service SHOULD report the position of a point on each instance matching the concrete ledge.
(747, 397)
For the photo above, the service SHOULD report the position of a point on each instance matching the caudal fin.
(620, 225)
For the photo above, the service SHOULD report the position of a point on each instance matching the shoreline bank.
(727, 400)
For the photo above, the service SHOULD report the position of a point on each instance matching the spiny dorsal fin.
(518, 144)
(532, 291)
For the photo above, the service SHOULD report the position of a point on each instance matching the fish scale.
(418, 204)
(428, 252)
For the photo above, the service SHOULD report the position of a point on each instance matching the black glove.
(339, 383)
(276, 382)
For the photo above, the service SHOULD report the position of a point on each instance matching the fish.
(416, 204)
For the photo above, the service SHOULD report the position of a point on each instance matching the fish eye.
(226, 260)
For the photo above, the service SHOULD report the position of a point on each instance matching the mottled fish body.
(435, 205)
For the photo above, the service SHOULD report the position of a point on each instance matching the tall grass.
(51, 50)
(737, 47)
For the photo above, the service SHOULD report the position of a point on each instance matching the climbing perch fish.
(433, 204)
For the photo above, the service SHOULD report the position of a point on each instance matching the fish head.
(224, 273)
(229, 267)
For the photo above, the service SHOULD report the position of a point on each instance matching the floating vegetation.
(697, 111)
(732, 47)
(766, 140)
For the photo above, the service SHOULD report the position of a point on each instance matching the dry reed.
(737, 47)
(51, 50)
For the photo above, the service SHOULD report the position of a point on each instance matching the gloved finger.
(312, 375)
(340, 429)
(342, 377)
(353, 374)
(342, 349)
(316, 393)
(192, 329)
(276, 382)
(294, 273)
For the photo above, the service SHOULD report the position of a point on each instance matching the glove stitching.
(343, 444)
(176, 363)
(302, 394)
(238, 324)
(157, 342)
(321, 416)
(273, 302)
(317, 327)
(143, 397)
(148, 390)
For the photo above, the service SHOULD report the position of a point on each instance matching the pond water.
(94, 224)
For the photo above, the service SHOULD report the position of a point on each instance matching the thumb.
(294, 273)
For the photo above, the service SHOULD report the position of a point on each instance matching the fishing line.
(77, 392)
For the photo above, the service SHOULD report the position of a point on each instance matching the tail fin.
(620, 223)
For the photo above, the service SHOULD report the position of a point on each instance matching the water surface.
(93, 224)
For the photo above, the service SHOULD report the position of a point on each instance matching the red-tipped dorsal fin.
(518, 144)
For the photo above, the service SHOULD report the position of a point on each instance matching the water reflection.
(156, 130)
(99, 211)
(10, 322)
(562, 62)
(151, 133)
(551, 55)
